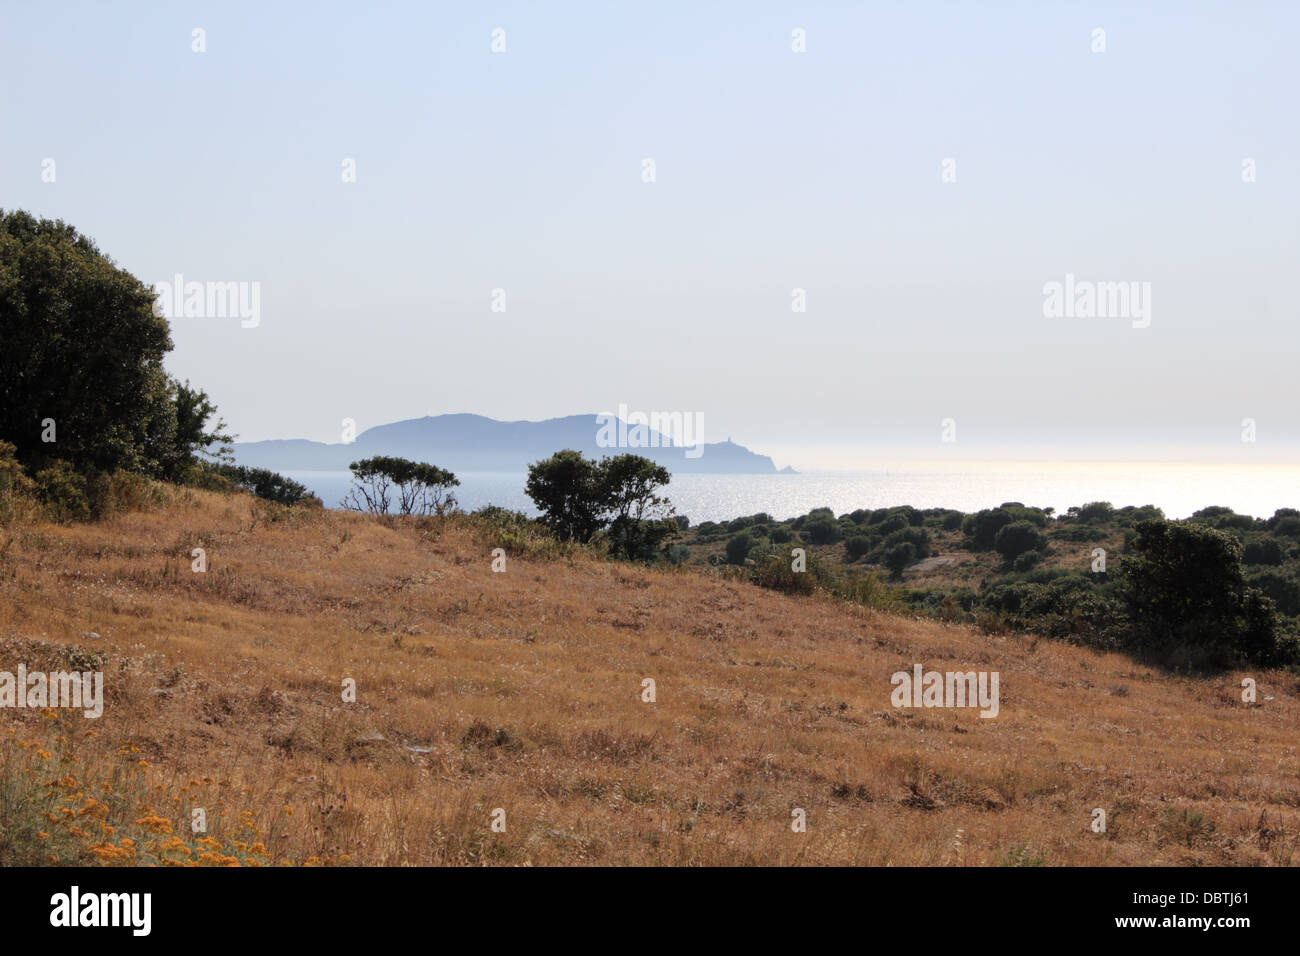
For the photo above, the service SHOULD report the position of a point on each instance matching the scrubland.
(522, 691)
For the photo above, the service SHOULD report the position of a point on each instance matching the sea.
(1178, 488)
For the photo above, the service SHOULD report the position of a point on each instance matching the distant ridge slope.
(467, 443)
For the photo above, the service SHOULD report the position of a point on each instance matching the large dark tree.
(566, 489)
(1184, 588)
(81, 353)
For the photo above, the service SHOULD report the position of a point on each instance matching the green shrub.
(821, 530)
(982, 527)
(773, 569)
(1027, 560)
(857, 546)
(918, 538)
(16, 488)
(1263, 551)
(1288, 527)
(63, 493)
(738, 548)
(1014, 539)
(262, 482)
(1187, 598)
(898, 557)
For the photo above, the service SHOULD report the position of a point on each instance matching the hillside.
(522, 691)
(475, 443)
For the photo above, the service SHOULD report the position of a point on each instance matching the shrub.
(772, 569)
(1027, 560)
(1080, 532)
(262, 482)
(918, 538)
(781, 534)
(899, 557)
(1288, 527)
(738, 548)
(1185, 591)
(857, 546)
(1284, 591)
(516, 533)
(891, 523)
(15, 487)
(1016, 538)
(821, 530)
(63, 493)
(1263, 551)
(1096, 512)
(981, 527)
(1280, 514)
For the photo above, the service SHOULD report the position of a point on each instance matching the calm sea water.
(1179, 489)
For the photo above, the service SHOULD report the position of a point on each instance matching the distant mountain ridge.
(467, 443)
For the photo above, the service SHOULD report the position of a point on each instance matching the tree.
(579, 497)
(1183, 587)
(83, 349)
(566, 490)
(983, 526)
(640, 520)
(193, 436)
(422, 489)
(81, 375)
(899, 557)
(1014, 539)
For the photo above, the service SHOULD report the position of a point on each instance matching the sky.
(914, 175)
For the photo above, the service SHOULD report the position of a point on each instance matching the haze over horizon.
(775, 171)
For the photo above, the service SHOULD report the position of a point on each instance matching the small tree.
(899, 557)
(422, 489)
(640, 519)
(578, 497)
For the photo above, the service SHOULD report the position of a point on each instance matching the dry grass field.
(522, 691)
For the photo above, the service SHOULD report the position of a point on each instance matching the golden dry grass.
(522, 691)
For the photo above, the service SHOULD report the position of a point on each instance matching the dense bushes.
(1186, 596)
(1014, 539)
(262, 482)
(738, 548)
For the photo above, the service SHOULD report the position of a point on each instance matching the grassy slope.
(521, 690)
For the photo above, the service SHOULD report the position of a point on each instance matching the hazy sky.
(775, 170)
